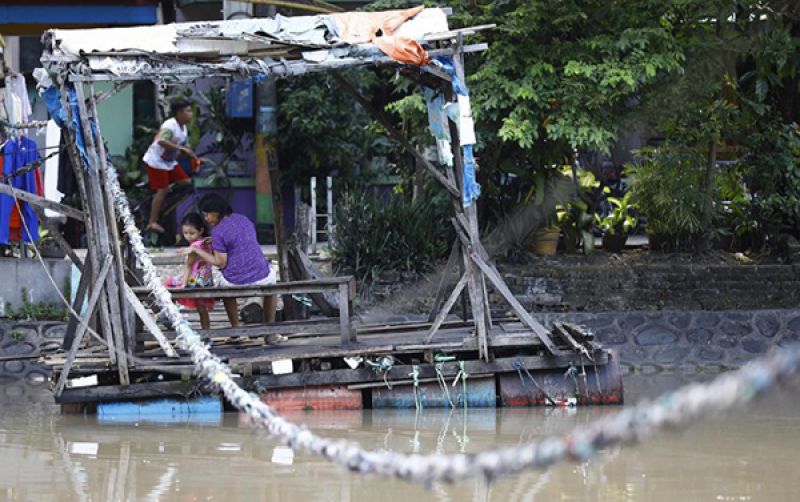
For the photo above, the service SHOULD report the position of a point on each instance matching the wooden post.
(474, 282)
(91, 223)
(128, 336)
(329, 210)
(313, 187)
(268, 178)
(97, 203)
(77, 305)
(348, 334)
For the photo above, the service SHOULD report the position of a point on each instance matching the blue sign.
(239, 100)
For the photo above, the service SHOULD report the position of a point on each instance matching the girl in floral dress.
(197, 273)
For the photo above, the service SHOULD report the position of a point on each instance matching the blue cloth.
(52, 99)
(437, 118)
(445, 63)
(76, 126)
(472, 190)
(19, 152)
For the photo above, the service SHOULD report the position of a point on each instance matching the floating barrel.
(601, 385)
(202, 409)
(481, 393)
(317, 398)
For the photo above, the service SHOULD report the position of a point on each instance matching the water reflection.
(47, 456)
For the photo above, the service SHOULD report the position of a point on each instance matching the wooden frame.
(118, 303)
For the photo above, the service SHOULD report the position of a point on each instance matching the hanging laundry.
(379, 28)
(18, 105)
(437, 122)
(17, 153)
(67, 182)
(461, 114)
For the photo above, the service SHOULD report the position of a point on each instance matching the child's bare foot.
(274, 339)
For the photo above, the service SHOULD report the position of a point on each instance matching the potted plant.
(618, 223)
(545, 240)
(574, 215)
(48, 247)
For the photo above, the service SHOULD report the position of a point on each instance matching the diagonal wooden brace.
(148, 322)
(477, 257)
(451, 300)
(84, 324)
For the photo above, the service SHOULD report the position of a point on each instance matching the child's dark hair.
(178, 104)
(196, 221)
(214, 203)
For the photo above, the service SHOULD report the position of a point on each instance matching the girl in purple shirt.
(235, 251)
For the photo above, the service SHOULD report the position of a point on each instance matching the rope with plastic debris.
(673, 409)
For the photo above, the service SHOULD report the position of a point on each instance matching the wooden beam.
(102, 96)
(77, 306)
(314, 286)
(444, 280)
(451, 300)
(76, 342)
(148, 321)
(98, 202)
(291, 329)
(132, 391)
(523, 314)
(91, 221)
(448, 370)
(348, 334)
(395, 134)
(35, 200)
(127, 335)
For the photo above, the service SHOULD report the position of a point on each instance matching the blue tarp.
(60, 15)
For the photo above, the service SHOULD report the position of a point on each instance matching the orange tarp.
(379, 28)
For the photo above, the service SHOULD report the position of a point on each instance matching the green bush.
(374, 234)
(37, 311)
(667, 187)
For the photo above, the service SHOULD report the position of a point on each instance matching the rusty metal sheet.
(319, 397)
(603, 386)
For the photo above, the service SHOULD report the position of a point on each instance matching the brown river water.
(749, 455)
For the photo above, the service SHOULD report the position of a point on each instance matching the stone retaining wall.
(688, 341)
(557, 286)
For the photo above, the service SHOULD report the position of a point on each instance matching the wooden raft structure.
(515, 361)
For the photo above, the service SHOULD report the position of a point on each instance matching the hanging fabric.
(461, 113)
(17, 153)
(379, 28)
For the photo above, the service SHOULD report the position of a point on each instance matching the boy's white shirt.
(154, 155)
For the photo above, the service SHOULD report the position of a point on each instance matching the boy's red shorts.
(159, 178)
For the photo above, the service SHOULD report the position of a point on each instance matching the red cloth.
(14, 221)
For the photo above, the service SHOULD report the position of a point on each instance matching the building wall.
(28, 273)
(116, 118)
